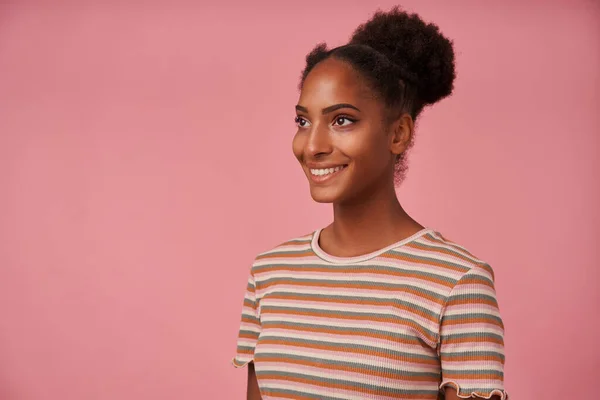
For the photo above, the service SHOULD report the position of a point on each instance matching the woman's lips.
(321, 175)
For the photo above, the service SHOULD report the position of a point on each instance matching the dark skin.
(360, 137)
(252, 391)
(342, 124)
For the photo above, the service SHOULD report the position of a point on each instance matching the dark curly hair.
(406, 61)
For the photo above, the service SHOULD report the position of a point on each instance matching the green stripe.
(480, 279)
(471, 315)
(250, 319)
(253, 333)
(458, 251)
(474, 372)
(250, 303)
(473, 296)
(350, 365)
(353, 299)
(491, 354)
(241, 347)
(487, 268)
(487, 335)
(393, 318)
(354, 268)
(349, 385)
(436, 261)
(284, 253)
(287, 392)
(348, 331)
(363, 284)
(341, 347)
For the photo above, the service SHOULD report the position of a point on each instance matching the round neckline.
(364, 257)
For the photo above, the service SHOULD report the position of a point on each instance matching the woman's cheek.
(298, 145)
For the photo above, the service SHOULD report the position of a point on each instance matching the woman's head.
(358, 103)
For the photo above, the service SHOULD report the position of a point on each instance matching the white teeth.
(325, 171)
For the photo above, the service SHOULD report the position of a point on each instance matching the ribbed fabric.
(399, 323)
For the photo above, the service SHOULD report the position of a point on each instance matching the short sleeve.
(472, 338)
(249, 326)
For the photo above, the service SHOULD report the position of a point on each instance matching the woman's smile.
(325, 174)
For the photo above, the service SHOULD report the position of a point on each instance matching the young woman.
(373, 306)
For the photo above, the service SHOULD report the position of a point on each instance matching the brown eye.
(343, 121)
(301, 122)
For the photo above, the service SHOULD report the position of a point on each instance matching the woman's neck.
(366, 226)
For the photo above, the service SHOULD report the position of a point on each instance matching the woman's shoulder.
(450, 254)
(295, 245)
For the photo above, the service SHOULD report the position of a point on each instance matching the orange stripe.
(448, 252)
(249, 319)
(377, 318)
(306, 253)
(345, 368)
(413, 260)
(467, 357)
(459, 252)
(467, 321)
(333, 385)
(356, 350)
(488, 269)
(349, 285)
(245, 351)
(358, 301)
(381, 335)
(472, 301)
(248, 335)
(346, 271)
(274, 392)
(476, 280)
(474, 339)
(302, 240)
(480, 375)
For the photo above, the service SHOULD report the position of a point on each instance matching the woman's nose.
(319, 141)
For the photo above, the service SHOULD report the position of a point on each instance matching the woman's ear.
(402, 131)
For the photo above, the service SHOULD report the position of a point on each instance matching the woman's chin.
(324, 195)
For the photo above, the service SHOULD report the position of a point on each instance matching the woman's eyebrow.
(335, 107)
(329, 109)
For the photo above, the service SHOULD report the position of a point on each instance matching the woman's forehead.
(333, 80)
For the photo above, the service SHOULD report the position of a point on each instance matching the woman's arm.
(252, 393)
(451, 395)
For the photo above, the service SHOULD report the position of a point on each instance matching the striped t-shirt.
(399, 323)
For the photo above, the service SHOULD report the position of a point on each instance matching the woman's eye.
(301, 122)
(343, 121)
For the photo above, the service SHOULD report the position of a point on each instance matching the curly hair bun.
(416, 47)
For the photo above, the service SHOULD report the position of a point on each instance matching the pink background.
(145, 159)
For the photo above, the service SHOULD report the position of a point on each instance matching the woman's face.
(342, 143)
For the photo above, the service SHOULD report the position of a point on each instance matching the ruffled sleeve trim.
(239, 362)
(480, 394)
